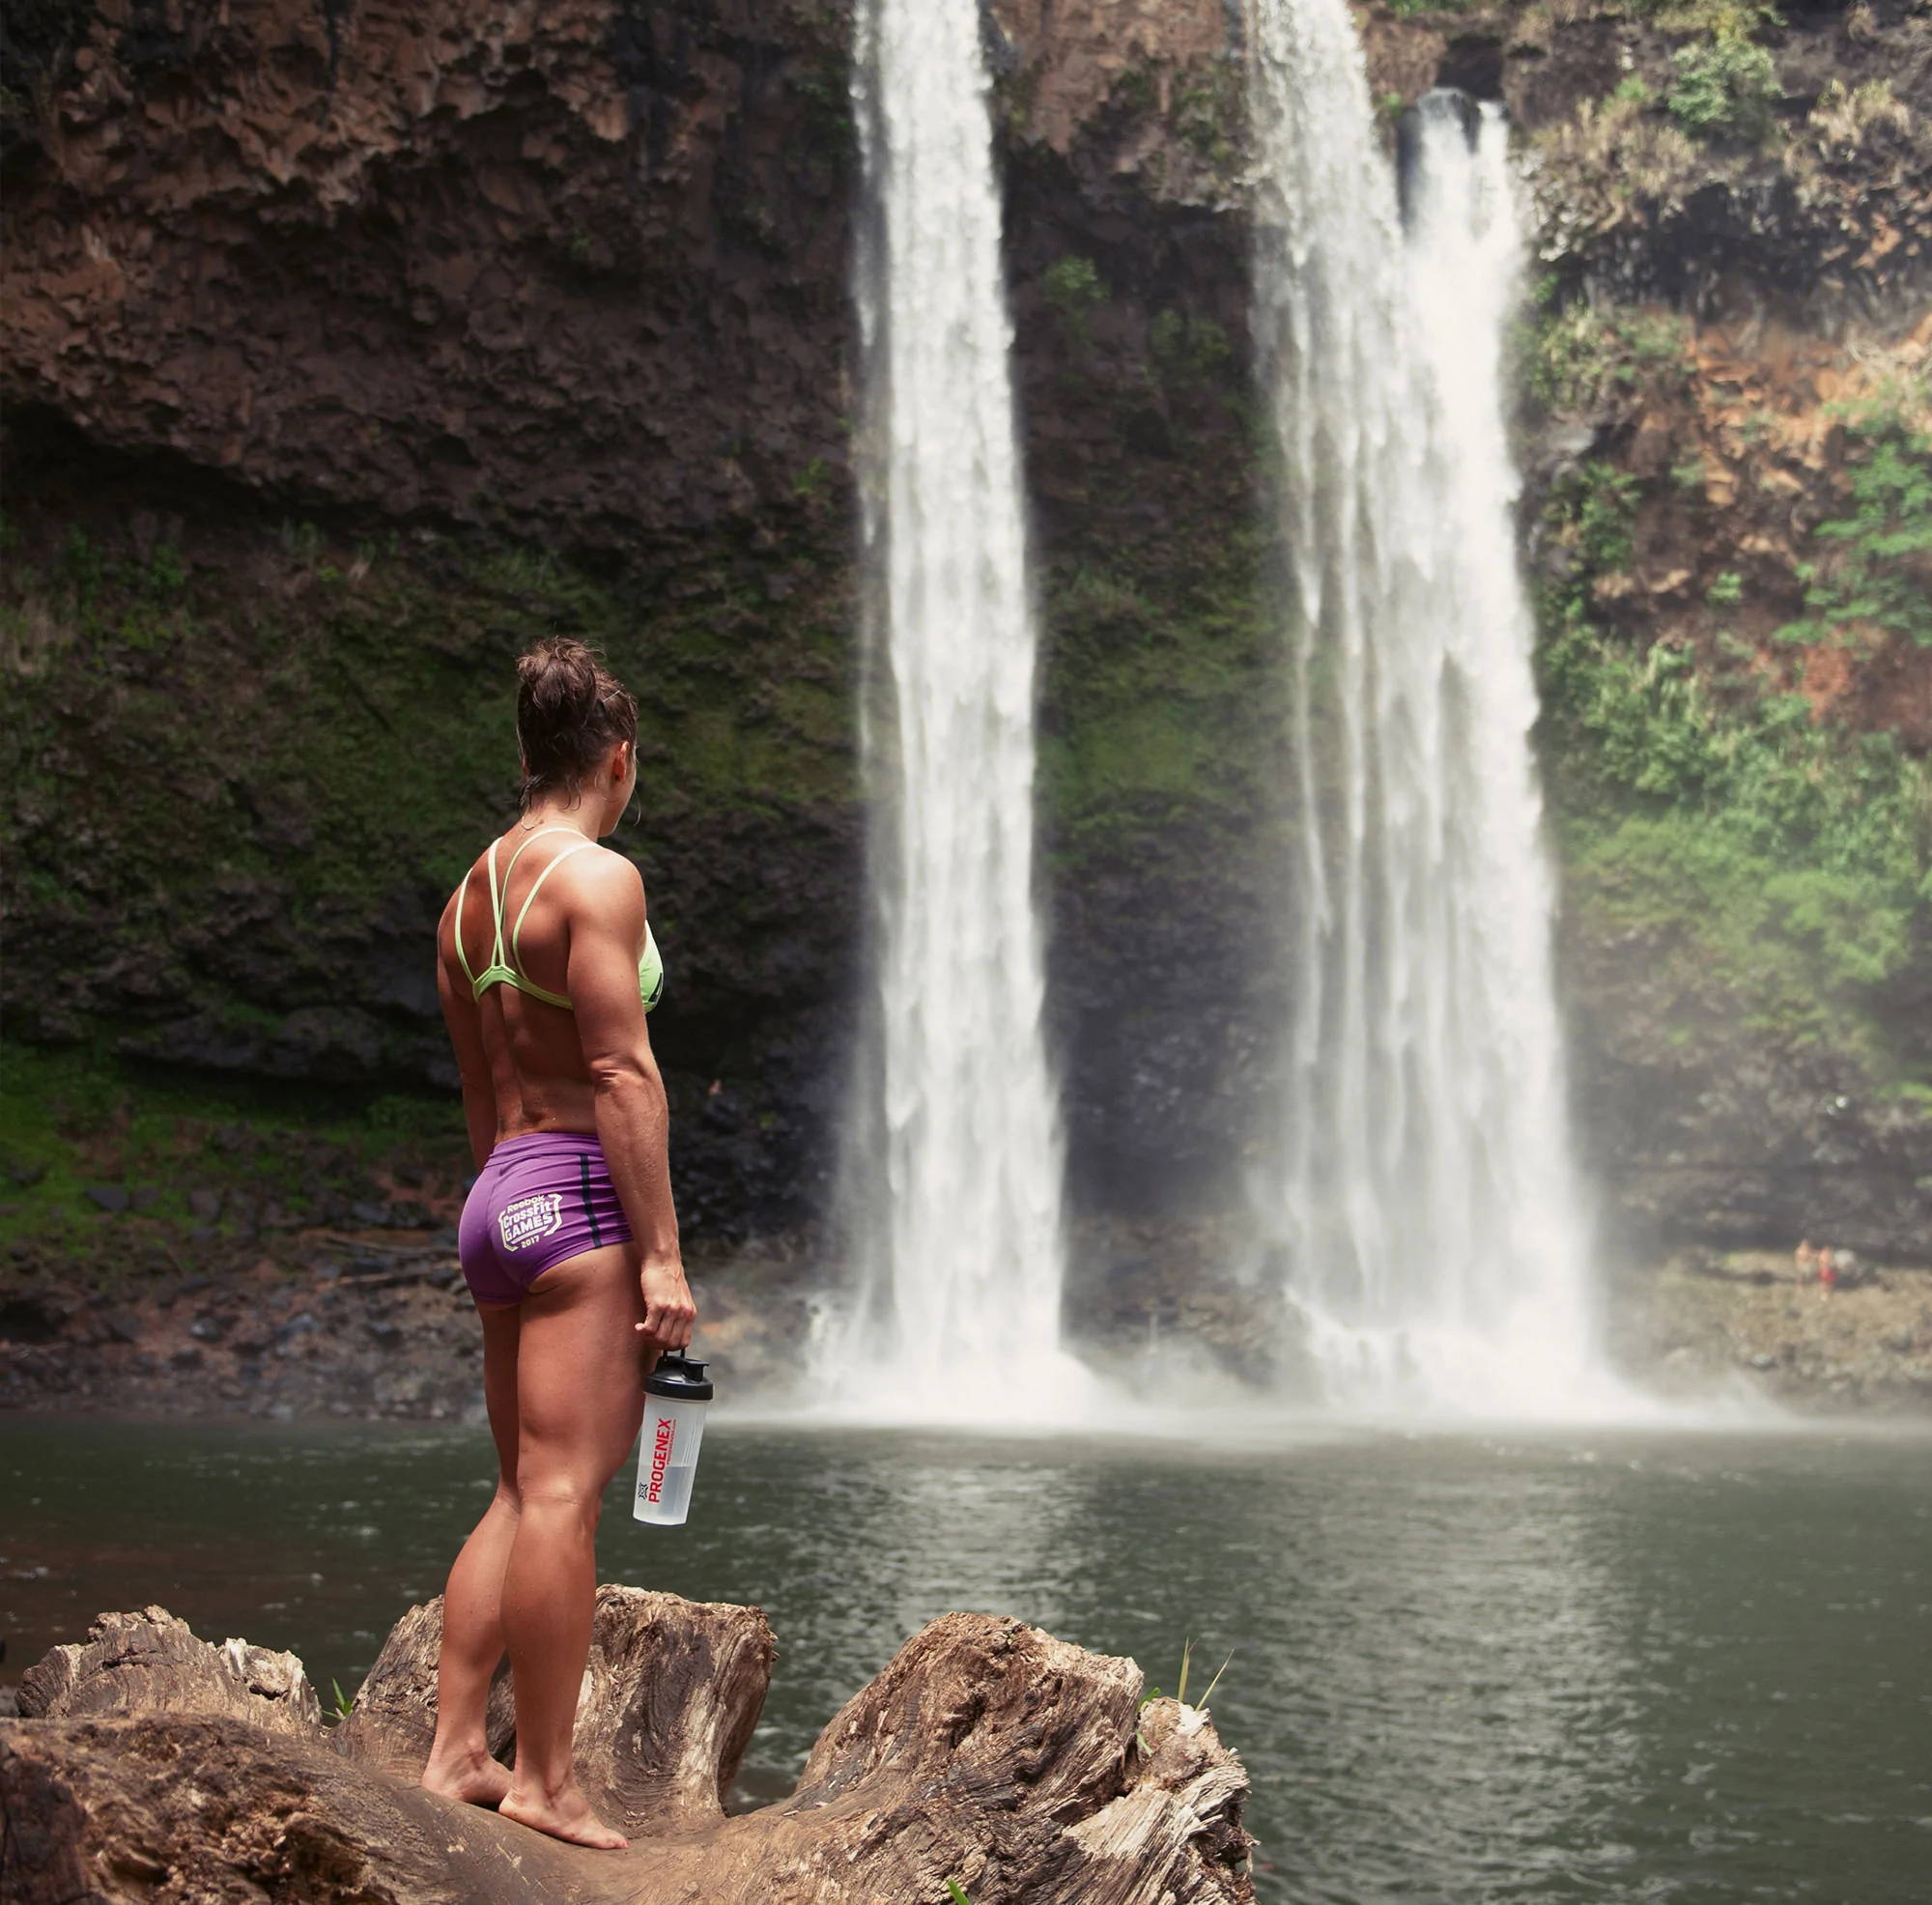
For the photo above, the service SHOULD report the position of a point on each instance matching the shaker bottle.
(675, 1394)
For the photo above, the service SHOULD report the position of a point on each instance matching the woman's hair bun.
(558, 678)
(570, 709)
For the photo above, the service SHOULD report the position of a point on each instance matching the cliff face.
(375, 256)
(350, 346)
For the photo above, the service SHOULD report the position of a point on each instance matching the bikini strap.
(517, 931)
(497, 891)
(500, 966)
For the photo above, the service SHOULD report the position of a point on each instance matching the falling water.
(1427, 1210)
(957, 1151)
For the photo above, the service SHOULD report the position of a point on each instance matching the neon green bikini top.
(500, 972)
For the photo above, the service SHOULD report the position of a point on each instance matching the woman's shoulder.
(604, 873)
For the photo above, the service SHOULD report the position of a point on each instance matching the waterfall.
(1425, 1207)
(956, 1149)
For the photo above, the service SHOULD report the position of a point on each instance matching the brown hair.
(570, 708)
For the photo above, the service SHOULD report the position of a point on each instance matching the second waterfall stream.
(1423, 1205)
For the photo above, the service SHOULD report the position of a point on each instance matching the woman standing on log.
(546, 968)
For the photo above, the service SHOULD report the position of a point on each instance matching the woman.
(546, 967)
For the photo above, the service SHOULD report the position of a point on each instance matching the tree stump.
(149, 1765)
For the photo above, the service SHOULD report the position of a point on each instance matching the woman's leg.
(460, 1766)
(579, 1398)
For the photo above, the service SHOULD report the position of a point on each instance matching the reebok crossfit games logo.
(529, 1218)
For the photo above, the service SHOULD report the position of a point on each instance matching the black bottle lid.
(679, 1379)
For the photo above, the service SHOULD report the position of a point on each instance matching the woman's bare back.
(540, 1078)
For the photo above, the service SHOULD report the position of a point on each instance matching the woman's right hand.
(668, 1311)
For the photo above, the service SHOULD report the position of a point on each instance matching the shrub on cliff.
(1876, 573)
(1726, 87)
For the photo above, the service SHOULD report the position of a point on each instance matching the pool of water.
(1465, 1669)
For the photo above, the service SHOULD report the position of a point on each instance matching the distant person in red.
(1828, 1271)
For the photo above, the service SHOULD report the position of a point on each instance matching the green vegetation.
(1579, 352)
(1186, 1661)
(1072, 290)
(1875, 575)
(1748, 18)
(237, 789)
(360, 705)
(1187, 346)
(127, 602)
(1153, 730)
(1210, 113)
(1726, 87)
(1597, 503)
(1775, 861)
(1847, 117)
(83, 1116)
(1409, 10)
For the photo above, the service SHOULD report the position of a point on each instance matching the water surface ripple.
(1465, 1670)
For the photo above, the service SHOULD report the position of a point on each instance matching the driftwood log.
(149, 1765)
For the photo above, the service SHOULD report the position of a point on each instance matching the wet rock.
(122, 1326)
(36, 1316)
(205, 1204)
(110, 1198)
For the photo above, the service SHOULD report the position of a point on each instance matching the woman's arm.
(607, 932)
(465, 1038)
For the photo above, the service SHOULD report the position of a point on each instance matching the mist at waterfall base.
(1532, 1668)
(1423, 1207)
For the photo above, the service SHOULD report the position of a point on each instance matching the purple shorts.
(541, 1198)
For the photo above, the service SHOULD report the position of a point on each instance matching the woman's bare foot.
(564, 1815)
(475, 1778)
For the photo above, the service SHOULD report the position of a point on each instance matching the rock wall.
(349, 348)
(395, 258)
